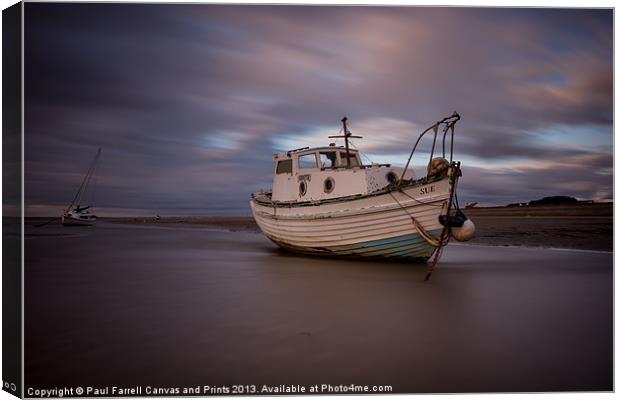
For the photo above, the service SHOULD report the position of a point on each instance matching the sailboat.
(77, 214)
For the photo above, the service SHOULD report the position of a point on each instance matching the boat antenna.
(346, 135)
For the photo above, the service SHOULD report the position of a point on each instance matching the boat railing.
(448, 124)
(363, 166)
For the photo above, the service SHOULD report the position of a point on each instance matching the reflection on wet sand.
(129, 305)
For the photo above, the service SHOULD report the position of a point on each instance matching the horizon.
(190, 101)
(115, 213)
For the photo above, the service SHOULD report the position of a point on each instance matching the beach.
(178, 303)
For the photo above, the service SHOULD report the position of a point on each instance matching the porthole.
(303, 188)
(329, 185)
(391, 177)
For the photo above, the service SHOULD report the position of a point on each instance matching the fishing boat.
(77, 214)
(325, 201)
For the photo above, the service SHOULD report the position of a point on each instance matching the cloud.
(179, 95)
(582, 176)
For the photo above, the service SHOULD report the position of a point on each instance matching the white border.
(471, 3)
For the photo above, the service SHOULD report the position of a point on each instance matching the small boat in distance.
(325, 201)
(76, 214)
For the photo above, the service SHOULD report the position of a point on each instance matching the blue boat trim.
(404, 246)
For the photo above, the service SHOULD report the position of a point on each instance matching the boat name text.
(427, 189)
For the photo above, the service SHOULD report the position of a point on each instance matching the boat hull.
(375, 226)
(72, 221)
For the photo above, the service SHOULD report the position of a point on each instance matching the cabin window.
(328, 159)
(391, 177)
(307, 161)
(303, 188)
(352, 157)
(285, 167)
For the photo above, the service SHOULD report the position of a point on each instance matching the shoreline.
(580, 227)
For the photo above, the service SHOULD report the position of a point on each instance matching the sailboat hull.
(69, 220)
(374, 226)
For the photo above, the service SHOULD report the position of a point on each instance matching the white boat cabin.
(309, 174)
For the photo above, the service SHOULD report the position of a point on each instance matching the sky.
(189, 102)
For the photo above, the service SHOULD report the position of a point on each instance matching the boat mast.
(346, 135)
(85, 181)
(346, 140)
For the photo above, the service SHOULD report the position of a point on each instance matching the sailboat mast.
(80, 192)
(90, 175)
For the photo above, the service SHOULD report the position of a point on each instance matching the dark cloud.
(190, 101)
(584, 177)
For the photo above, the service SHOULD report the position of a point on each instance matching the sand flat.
(133, 304)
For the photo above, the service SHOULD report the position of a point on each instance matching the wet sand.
(583, 226)
(121, 304)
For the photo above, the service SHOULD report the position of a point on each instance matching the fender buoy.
(461, 227)
(465, 232)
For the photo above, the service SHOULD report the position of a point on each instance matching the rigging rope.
(427, 236)
(444, 238)
(80, 193)
(445, 233)
(419, 201)
(94, 193)
(423, 233)
(358, 150)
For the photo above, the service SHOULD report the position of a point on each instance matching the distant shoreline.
(583, 209)
(234, 223)
(580, 226)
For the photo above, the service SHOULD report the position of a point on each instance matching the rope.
(456, 198)
(425, 235)
(94, 191)
(419, 201)
(358, 150)
(433, 263)
(78, 195)
(400, 205)
(445, 233)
